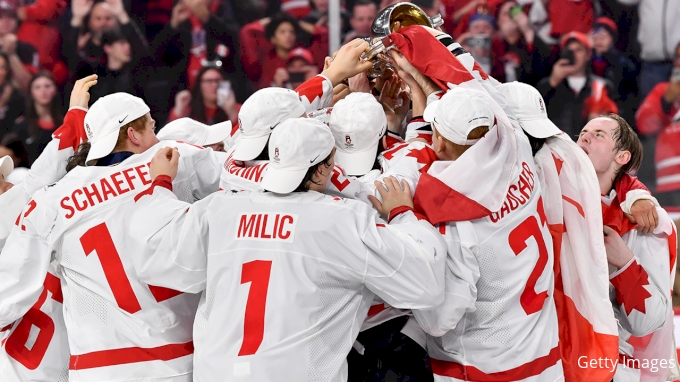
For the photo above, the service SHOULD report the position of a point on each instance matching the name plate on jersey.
(267, 226)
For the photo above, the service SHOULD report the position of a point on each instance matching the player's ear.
(132, 135)
(622, 157)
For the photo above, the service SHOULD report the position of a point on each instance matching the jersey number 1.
(257, 274)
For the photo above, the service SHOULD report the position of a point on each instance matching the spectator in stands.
(318, 15)
(121, 72)
(611, 64)
(204, 103)
(300, 68)
(658, 34)
(198, 34)
(363, 14)
(459, 12)
(23, 59)
(515, 43)
(659, 115)
(572, 93)
(83, 35)
(39, 27)
(430, 7)
(43, 115)
(281, 31)
(478, 40)
(12, 102)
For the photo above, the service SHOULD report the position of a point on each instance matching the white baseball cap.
(260, 114)
(357, 123)
(529, 109)
(6, 166)
(194, 132)
(299, 144)
(459, 112)
(105, 118)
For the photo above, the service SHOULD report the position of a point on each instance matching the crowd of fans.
(203, 58)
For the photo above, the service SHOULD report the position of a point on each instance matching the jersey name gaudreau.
(512, 201)
(267, 226)
(110, 186)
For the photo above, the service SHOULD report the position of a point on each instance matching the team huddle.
(434, 225)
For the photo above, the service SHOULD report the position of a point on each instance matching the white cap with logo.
(260, 114)
(299, 144)
(105, 118)
(6, 166)
(194, 132)
(459, 112)
(357, 123)
(529, 109)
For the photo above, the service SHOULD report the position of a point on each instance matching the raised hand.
(80, 95)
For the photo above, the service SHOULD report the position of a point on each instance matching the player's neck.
(606, 181)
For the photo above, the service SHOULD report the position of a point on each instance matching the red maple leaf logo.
(633, 296)
(425, 156)
(69, 137)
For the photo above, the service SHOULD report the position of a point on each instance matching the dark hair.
(10, 76)
(14, 143)
(80, 157)
(56, 111)
(303, 187)
(112, 36)
(278, 19)
(197, 106)
(626, 139)
(536, 143)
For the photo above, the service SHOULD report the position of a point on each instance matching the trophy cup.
(387, 21)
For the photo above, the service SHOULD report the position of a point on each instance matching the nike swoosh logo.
(312, 160)
(121, 121)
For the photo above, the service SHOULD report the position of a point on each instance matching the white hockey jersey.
(119, 328)
(498, 320)
(35, 347)
(288, 280)
(640, 293)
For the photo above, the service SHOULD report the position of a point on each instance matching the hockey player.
(318, 262)
(498, 319)
(119, 328)
(641, 265)
(35, 347)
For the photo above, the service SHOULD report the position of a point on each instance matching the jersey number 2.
(257, 274)
(531, 301)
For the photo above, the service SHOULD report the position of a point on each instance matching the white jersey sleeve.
(460, 294)
(35, 347)
(178, 228)
(316, 93)
(199, 171)
(396, 271)
(642, 287)
(24, 261)
(48, 168)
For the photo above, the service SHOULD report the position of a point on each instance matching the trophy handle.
(437, 20)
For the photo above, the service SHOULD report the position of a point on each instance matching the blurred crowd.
(203, 58)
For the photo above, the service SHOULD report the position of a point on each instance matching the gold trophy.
(390, 20)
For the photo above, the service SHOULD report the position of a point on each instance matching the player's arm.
(171, 234)
(317, 93)
(643, 284)
(405, 258)
(637, 203)
(24, 262)
(202, 167)
(460, 292)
